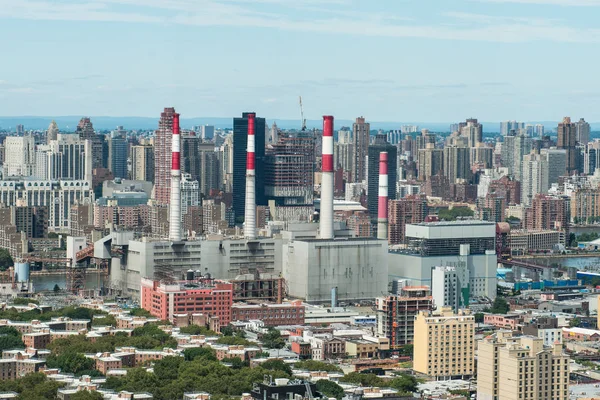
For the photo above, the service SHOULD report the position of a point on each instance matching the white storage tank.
(21, 272)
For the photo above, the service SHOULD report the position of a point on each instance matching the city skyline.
(493, 59)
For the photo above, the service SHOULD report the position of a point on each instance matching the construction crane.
(302, 120)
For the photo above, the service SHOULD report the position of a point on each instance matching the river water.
(47, 282)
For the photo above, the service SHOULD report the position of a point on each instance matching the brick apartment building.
(208, 297)
(270, 314)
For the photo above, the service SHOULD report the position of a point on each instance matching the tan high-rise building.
(360, 140)
(142, 163)
(444, 347)
(430, 161)
(513, 368)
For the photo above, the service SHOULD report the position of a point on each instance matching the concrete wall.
(357, 267)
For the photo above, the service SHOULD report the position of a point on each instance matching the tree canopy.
(314, 365)
(6, 260)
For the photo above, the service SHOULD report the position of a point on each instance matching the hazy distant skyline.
(389, 60)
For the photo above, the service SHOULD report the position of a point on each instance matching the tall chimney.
(326, 216)
(175, 203)
(250, 207)
(382, 211)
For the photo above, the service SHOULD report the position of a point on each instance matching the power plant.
(305, 260)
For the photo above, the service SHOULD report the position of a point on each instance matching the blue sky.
(389, 60)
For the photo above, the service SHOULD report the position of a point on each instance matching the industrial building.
(356, 266)
(465, 244)
(312, 267)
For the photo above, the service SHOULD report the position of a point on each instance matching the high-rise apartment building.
(67, 158)
(515, 368)
(515, 146)
(19, 157)
(424, 139)
(567, 140)
(85, 130)
(52, 132)
(444, 344)
(361, 132)
(535, 177)
(210, 168)
(162, 156)
(591, 157)
(539, 130)
(20, 130)
(507, 126)
(190, 161)
(118, 153)
(380, 145)
(550, 212)
(408, 210)
(457, 163)
(472, 131)
(482, 156)
(142, 163)
(226, 163)
(585, 206)
(430, 161)
(240, 139)
(583, 131)
(396, 313)
(207, 132)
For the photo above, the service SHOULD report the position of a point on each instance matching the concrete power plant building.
(469, 246)
(312, 267)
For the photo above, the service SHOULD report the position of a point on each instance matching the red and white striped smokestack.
(326, 215)
(175, 204)
(250, 206)
(382, 211)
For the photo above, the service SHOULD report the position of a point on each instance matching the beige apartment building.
(444, 347)
(513, 368)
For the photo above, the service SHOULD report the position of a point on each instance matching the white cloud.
(565, 3)
(237, 13)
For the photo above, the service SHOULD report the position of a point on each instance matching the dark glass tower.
(240, 139)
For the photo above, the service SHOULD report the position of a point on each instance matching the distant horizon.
(69, 122)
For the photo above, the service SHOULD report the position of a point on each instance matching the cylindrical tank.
(190, 275)
(509, 277)
(572, 271)
(21, 272)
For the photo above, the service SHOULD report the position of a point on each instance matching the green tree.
(10, 338)
(330, 388)
(204, 353)
(104, 320)
(479, 317)
(234, 341)
(6, 260)
(56, 288)
(139, 312)
(86, 395)
(575, 323)
(235, 362)
(363, 379)
(314, 365)
(272, 339)
(404, 383)
(70, 361)
(406, 350)
(197, 330)
(500, 306)
(168, 367)
(277, 365)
